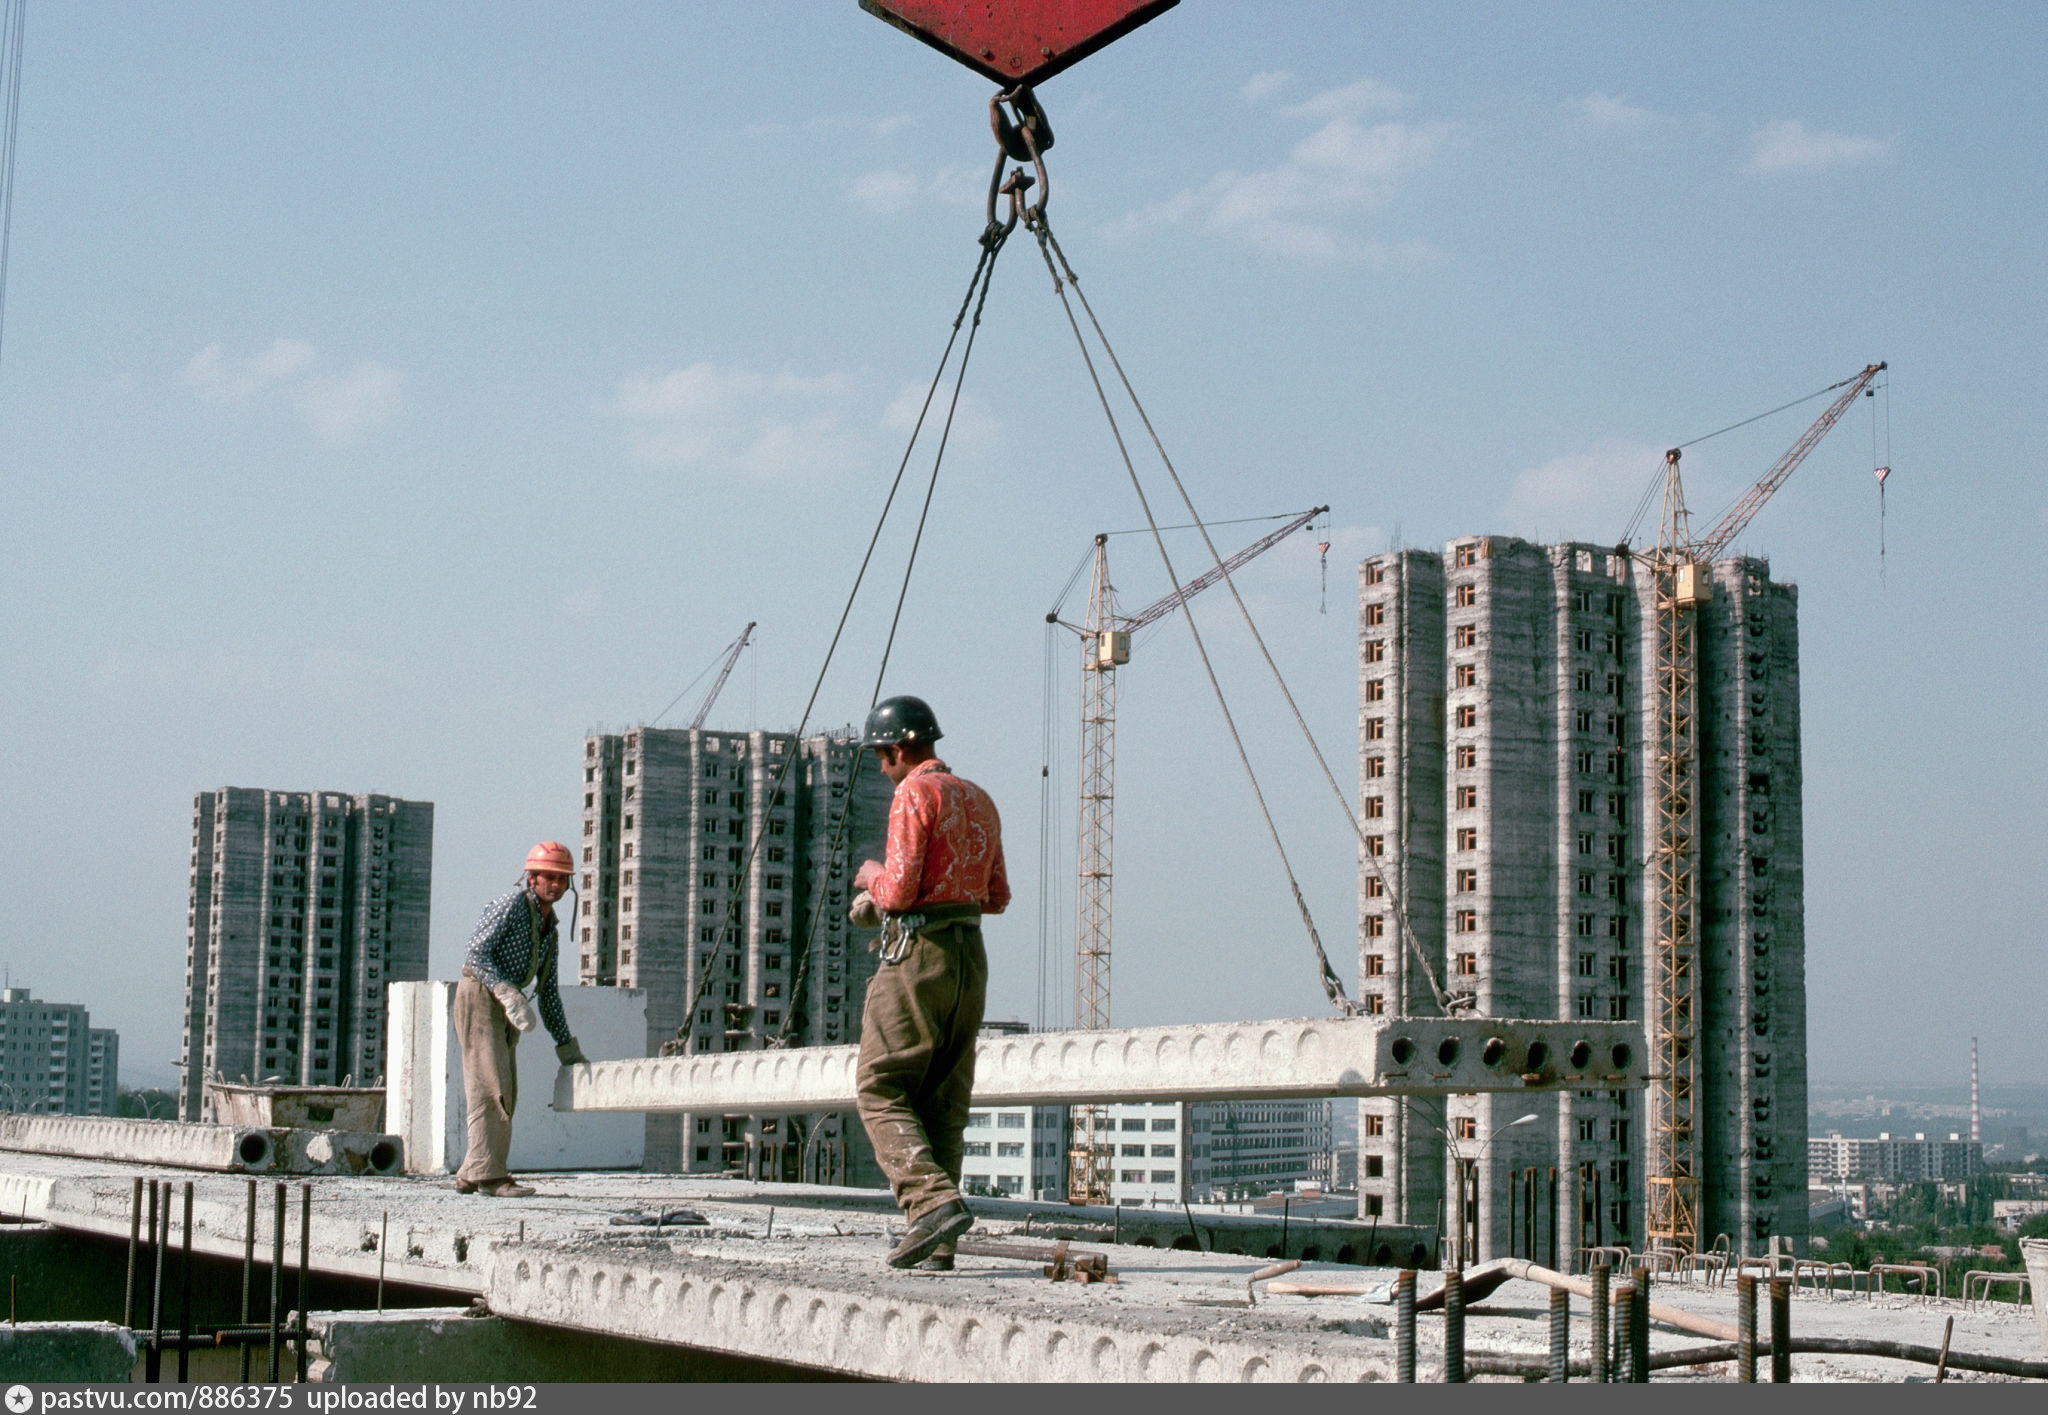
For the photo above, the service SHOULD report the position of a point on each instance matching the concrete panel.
(423, 1076)
(66, 1351)
(1356, 1056)
(900, 1328)
(229, 1148)
(454, 1344)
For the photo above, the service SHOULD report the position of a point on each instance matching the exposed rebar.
(1781, 1330)
(276, 1275)
(1745, 1326)
(305, 1267)
(185, 1299)
(1404, 1326)
(1560, 1335)
(134, 1244)
(1621, 1352)
(1639, 1327)
(1601, 1275)
(160, 1220)
(1454, 1326)
(248, 1270)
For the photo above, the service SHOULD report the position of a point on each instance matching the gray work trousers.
(490, 1079)
(916, 1072)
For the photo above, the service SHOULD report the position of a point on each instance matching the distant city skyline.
(391, 394)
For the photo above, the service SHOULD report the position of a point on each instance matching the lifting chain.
(1022, 134)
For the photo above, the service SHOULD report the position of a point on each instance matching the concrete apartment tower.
(1505, 690)
(728, 943)
(304, 905)
(53, 1061)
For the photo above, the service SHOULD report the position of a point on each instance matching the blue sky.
(391, 394)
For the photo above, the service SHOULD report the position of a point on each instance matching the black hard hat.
(894, 721)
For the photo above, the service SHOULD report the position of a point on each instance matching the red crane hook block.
(1017, 41)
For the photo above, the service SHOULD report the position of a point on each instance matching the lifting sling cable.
(992, 244)
(1049, 245)
(1332, 985)
(984, 271)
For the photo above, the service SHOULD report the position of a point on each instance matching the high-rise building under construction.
(304, 905)
(725, 895)
(1506, 690)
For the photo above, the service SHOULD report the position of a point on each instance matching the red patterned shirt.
(945, 845)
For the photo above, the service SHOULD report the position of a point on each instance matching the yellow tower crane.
(1681, 567)
(1106, 647)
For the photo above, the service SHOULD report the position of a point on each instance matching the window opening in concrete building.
(1375, 650)
(1466, 636)
(1375, 965)
(1468, 963)
(1468, 756)
(1375, 767)
(1468, 881)
(1468, 838)
(1468, 715)
(1467, 595)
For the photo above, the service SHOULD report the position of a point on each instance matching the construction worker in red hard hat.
(943, 871)
(515, 947)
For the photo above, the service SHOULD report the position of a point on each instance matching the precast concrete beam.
(233, 1149)
(897, 1328)
(1306, 1057)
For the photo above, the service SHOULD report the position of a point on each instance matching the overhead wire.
(1333, 987)
(11, 35)
(1049, 246)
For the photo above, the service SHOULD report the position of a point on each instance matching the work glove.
(570, 1054)
(518, 1011)
(864, 914)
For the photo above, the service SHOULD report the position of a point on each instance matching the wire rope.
(1049, 246)
(1332, 985)
(985, 273)
(984, 267)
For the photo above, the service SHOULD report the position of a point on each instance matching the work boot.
(506, 1188)
(928, 1231)
(941, 1260)
(465, 1186)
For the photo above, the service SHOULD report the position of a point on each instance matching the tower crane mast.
(1681, 567)
(1105, 647)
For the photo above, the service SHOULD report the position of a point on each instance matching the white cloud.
(341, 407)
(772, 426)
(1264, 85)
(216, 375)
(1350, 101)
(838, 123)
(1599, 112)
(337, 407)
(894, 189)
(1307, 206)
(1791, 146)
(1585, 495)
(974, 427)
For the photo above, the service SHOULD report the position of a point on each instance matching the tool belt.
(898, 930)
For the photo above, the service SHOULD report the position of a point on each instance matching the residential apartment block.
(304, 905)
(53, 1061)
(737, 947)
(1505, 689)
(1894, 1158)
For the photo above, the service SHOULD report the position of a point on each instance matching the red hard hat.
(550, 857)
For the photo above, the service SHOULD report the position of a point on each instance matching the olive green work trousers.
(916, 1072)
(490, 1079)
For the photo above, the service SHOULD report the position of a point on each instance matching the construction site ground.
(794, 1275)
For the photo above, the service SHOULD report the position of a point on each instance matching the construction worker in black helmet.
(943, 871)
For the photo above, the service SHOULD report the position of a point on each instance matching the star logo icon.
(19, 1399)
